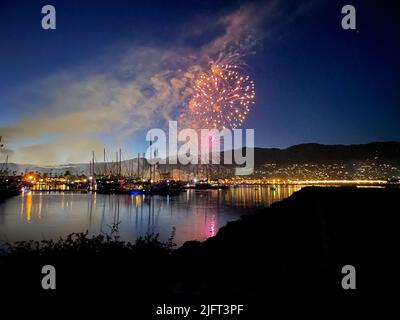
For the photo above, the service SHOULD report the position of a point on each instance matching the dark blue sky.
(315, 82)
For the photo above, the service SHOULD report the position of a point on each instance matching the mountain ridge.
(386, 151)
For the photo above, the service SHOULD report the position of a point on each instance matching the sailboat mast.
(116, 163)
(104, 160)
(151, 143)
(138, 164)
(93, 164)
(120, 162)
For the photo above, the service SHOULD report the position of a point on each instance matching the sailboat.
(9, 186)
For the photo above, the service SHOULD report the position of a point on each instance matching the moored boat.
(9, 187)
(165, 187)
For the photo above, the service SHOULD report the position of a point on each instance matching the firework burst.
(222, 97)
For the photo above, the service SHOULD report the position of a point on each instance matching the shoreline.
(303, 239)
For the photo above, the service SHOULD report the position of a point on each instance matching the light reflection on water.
(196, 215)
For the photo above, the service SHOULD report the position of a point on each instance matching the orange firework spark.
(222, 97)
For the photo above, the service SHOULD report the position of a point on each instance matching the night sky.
(110, 70)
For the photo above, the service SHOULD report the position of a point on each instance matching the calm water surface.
(196, 215)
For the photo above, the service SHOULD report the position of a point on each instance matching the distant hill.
(320, 153)
(55, 170)
(313, 153)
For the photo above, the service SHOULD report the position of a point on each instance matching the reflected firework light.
(222, 97)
